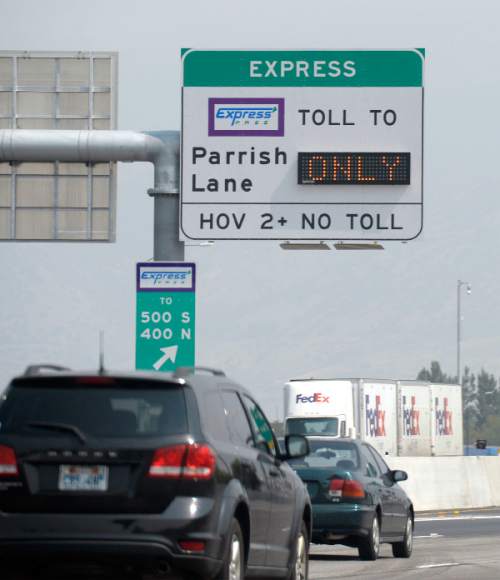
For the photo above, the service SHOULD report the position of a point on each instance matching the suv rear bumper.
(139, 538)
(144, 553)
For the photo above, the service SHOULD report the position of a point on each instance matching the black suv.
(158, 474)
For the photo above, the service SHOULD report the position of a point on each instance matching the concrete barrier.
(445, 483)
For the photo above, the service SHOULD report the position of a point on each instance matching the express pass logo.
(240, 117)
(375, 417)
(173, 277)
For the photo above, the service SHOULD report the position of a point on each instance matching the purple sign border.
(279, 132)
(191, 265)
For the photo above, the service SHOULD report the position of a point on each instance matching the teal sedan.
(356, 498)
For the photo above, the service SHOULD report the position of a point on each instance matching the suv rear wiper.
(64, 427)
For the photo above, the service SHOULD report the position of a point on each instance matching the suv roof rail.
(39, 369)
(182, 372)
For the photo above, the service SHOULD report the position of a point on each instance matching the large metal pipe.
(161, 148)
(94, 147)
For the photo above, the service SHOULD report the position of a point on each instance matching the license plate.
(83, 478)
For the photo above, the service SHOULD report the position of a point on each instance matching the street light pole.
(460, 283)
(465, 419)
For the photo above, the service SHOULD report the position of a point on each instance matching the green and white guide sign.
(165, 315)
(302, 144)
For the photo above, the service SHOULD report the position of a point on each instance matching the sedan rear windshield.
(93, 407)
(328, 454)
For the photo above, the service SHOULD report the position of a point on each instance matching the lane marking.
(456, 518)
(429, 536)
(444, 565)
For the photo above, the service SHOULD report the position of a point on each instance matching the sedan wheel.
(404, 549)
(369, 547)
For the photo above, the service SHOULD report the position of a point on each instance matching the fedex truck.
(405, 418)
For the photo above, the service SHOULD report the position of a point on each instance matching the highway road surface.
(448, 546)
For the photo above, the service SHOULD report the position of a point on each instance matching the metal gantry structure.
(161, 148)
(58, 90)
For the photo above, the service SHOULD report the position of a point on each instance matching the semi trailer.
(397, 417)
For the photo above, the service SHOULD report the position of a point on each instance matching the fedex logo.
(444, 418)
(316, 398)
(411, 418)
(375, 417)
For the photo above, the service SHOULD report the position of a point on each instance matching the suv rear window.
(97, 407)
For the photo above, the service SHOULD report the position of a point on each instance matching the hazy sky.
(265, 315)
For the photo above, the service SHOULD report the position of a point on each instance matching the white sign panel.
(300, 145)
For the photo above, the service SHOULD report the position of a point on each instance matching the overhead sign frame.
(58, 201)
(249, 116)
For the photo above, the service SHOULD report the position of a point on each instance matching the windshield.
(328, 454)
(65, 409)
(313, 426)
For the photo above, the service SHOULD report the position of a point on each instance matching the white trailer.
(446, 419)
(378, 422)
(414, 418)
(407, 418)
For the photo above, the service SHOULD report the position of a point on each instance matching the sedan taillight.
(8, 462)
(193, 461)
(346, 488)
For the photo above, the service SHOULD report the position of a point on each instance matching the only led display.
(354, 168)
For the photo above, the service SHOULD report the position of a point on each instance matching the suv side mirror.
(398, 475)
(296, 446)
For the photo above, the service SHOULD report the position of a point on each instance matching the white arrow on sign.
(169, 353)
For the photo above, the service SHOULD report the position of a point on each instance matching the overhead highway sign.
(302, 145)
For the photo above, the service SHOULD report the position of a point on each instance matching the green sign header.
(299, 68)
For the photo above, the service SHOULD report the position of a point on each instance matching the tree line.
(481, 400)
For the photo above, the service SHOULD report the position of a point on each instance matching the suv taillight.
(346, 488)
(8, 462)
(193, 461)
